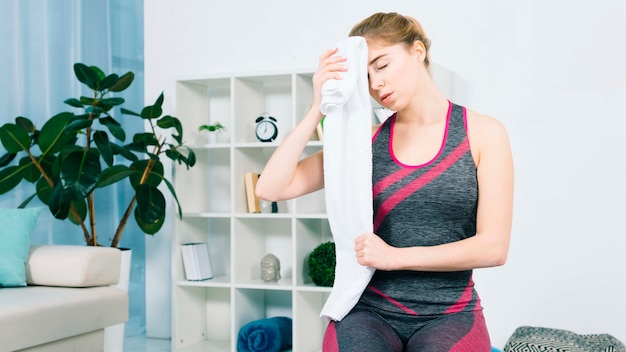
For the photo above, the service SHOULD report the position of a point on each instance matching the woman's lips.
(384, 99)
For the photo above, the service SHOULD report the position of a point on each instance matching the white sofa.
(69, 300)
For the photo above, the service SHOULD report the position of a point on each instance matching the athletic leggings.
(363, 330)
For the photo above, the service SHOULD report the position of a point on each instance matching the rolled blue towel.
(265, 335)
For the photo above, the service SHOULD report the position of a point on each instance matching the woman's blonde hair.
(393, 28)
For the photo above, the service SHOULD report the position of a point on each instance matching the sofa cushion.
(73, 266)
(17, 227)
(531, 338)
(34, 315)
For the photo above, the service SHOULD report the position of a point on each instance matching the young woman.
(443, 197)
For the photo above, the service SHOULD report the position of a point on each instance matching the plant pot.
(114, 335)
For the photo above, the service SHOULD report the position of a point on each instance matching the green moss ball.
(322, 264)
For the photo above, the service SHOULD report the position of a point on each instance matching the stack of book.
(252, 201)
(196, 261)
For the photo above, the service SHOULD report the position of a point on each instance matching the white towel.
(348, 174)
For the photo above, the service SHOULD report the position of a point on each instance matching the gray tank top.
(424, 205)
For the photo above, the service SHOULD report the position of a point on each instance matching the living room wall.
(553, 72)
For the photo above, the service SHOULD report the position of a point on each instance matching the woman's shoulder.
(484, 126)
(487, 136)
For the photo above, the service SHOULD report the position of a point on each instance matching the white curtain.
(40, 41)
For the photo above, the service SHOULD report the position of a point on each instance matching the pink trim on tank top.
(392, 301)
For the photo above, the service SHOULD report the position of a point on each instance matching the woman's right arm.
(285, 176)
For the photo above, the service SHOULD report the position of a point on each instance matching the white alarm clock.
(266, 128)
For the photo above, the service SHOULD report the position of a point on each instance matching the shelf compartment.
(310, 234)
(307, 309)
(254, 304)
(259, 95)
(251, 159)
(201, 102)
(205, 187)
(214, 231)
(253, 238)
(203, 318)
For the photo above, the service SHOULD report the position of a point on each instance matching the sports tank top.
(424, 205)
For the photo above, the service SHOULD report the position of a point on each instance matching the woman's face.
(392, 73)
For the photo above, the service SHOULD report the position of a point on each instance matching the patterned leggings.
(363, 330)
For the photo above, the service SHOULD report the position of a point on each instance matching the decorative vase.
(114, 335)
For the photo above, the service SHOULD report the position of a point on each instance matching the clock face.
(266, 131)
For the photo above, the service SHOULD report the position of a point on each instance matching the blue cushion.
(16, 228)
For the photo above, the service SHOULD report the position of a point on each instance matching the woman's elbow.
(262, 192)
(498, 255)
(499, 259)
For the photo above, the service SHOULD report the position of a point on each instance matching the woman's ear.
(419, 49)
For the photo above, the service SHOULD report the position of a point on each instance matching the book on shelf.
(320, 130)
(196, 261)
(252, 201)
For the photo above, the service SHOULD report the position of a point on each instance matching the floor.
(143, 344)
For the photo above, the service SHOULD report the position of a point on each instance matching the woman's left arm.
(489, 247)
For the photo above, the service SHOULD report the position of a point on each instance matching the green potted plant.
(322, 262)
(73, 154)
(214, 127)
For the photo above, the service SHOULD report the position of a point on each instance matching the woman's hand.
(330, 67)
(372, 251)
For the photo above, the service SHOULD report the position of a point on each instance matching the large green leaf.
(28, 169)
(59, 202)
(53, 136)
(81, 208)
(173, 192)
(96, 111)
(102, 141)
(80, 171)
(9, 178)
(154, 178)
(73, 102)
(44, 191)
(129, 112)
(114, 174)
(176, 155)
(26, 201)
(114, 127)
(25, 123)
(150, 210)
(171, 122)
(113, 101)
(99, 74)
(123, 151)
(109, 81)
(141, 141)
(14, 138)
(7, 158)
(123, 83)
(47, 164)
(79, 175)
(86, 75)
(153, 111)
(88, 101)
(78, 123)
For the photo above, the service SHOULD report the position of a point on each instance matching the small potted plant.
(214, 129)
(74, 154)
(322, 262)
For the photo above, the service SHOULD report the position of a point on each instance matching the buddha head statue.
(270, 268)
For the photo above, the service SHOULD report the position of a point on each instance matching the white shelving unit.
(208, 315)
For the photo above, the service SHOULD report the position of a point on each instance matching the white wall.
(552, 71)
